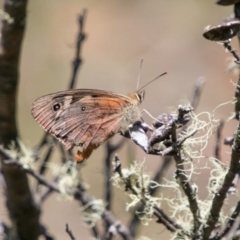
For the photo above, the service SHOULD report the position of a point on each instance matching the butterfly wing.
(80, 117)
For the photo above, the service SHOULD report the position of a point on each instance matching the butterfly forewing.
(81, 117)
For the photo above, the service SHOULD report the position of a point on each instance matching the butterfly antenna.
(139, 73)
(152, 81)
(150, 115)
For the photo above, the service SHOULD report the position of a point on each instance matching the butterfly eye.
(56, 107)
(83, 108)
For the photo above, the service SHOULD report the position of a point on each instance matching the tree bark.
(23, 211)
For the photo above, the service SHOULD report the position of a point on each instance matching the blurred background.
(166, 34)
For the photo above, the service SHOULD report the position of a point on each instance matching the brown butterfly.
(87, 117)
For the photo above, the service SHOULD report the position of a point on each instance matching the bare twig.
(197, 92)
(47, 157)
(69, 232)
(237, 96)
(218, 140)
(44, 233)
(233, 51)
(47, 192)
(80, 38)
(110, 149)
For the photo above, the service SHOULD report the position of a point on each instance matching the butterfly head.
(137, 97)
(140, 96)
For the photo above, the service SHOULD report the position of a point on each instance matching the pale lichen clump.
(17, 150)
(143, 238)
(137, 183)
(206, 124)
(5, 16)
(193, 147)
(93, 211)
(68, 177)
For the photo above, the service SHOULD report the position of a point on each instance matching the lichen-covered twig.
(188, 190)
(41, 180)
(159, 213)
(220, 196)
(229, 224)
(79, 195)
(134, 222)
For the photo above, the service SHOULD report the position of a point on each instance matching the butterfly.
(87, 117)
